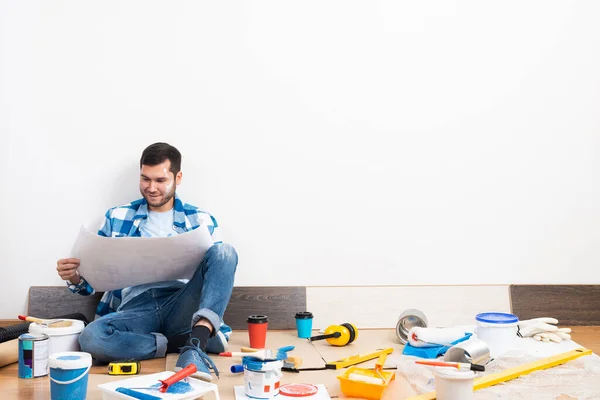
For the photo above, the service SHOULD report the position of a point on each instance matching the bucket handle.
(72, 380)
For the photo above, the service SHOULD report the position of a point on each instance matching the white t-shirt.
(158, 224)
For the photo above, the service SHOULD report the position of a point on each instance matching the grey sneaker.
(217, 344)
(192, 354)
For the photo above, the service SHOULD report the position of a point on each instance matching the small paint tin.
(261, 377)
(33, 355)
(409, 319)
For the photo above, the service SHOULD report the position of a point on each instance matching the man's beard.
(164, 200)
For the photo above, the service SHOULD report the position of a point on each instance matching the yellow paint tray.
(366, 383)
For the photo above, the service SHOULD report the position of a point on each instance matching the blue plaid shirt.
(126, 221)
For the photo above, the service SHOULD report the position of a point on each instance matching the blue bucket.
(69, 375)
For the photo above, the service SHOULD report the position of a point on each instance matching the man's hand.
(67, 269)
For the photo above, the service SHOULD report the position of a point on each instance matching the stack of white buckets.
(68, 367)
(497, 332)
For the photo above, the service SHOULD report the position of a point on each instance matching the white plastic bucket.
(61, 339)
(452, 384)
(498, 331)
(69, 375)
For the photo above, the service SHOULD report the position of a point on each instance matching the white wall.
(337, 142)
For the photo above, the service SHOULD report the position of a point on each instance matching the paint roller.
(162, 388)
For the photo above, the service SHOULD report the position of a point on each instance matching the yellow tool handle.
(380, 362)
(515, 372)
(357, 359)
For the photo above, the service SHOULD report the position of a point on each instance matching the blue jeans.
(139, 329)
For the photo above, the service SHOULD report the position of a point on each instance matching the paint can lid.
(33, 336)
(497, 318)
(258, 319)
(258, 365)
(298, 390)
(304, 315)
(75, 328)
(70, 360)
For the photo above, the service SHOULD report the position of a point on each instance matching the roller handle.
(184, 373)
(380, 362)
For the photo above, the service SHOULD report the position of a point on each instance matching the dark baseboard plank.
(54, 301)
(571, 304)
(279, 303)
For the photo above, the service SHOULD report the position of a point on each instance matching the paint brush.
(50, 323)
(459, 366)
(264, 354)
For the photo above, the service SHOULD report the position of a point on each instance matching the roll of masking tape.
(409, 319)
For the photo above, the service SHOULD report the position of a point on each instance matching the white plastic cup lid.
(70, 360)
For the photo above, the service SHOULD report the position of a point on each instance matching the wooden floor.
(12, 387)
(587, 336)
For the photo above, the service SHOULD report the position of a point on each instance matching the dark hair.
(157, 153)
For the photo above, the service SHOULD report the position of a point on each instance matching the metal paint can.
(261, 377)
(33, 355)
(408, 319)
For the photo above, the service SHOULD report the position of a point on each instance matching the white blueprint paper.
(114, 263)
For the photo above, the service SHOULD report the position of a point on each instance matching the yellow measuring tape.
(515, 372)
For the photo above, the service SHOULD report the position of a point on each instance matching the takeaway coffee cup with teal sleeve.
(304, 322)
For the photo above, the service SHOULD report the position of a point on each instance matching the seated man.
(147, 321)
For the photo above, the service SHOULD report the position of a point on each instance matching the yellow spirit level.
(124, 368)
(356, 359)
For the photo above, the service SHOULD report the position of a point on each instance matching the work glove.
(543, 329)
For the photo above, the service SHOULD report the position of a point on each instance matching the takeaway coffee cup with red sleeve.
(257, 330)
